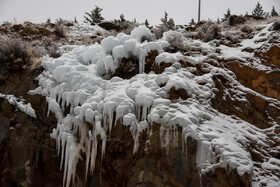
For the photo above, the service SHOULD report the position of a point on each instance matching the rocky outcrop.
(28, 156)
(270, 57)
(154, 164)
(109, 26)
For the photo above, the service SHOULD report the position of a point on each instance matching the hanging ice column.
(139, 33)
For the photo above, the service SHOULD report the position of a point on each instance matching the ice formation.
(26, 108)
(76, 81)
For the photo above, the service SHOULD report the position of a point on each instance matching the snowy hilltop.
(186, 109)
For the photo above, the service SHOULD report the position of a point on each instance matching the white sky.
(180, 10)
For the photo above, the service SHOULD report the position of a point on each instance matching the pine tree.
(192, 23)
(94, 16)
(258, 11)
(122, 19)
(273, 12)
(49, 21)
(171, 24)
(168, 24)
(164, 20)
(227, 15)
(147, 24)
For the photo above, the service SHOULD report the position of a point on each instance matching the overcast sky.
(180, 10)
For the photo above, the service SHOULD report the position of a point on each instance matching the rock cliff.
(206, 116)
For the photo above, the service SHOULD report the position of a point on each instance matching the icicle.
(88, 146)
(143, 125)
(62, 151)
(109, 109)
(66, 163)
(93, 153)
(142, 58)
(71, 160)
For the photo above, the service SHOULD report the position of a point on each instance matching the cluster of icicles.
(84, 140)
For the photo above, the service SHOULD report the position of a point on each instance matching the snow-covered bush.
(247, 29)
(232, 37)
(141, 33)
(209, 31)
(175, 39)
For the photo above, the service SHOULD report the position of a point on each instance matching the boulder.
(109, 26)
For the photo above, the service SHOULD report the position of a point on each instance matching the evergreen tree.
(147, 24)
(227, 15)
(164, 20)
(122, 19)
(94, 16)
(49, 21)
(75, 20)
(273, 12)
(168, 24)
(192, 23)
(171, 24)
(258, 11)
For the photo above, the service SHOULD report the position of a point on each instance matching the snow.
(168, 57)
(19, 103)
(79, 80)
(85, 29)
(229, 53)
(140, 32)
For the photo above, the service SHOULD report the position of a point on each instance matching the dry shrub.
(16, 54)
(158, 32)
(13, 54)
(59, 28)
(209, 31)
(175, 39)
(232, 37)
(51, 47)
(246, 29)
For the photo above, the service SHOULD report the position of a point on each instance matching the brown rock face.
(263, 82)
(28, 156)
(130, 67)
(127, 68)
(255, 109)
(154, 164)
(270, 57)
